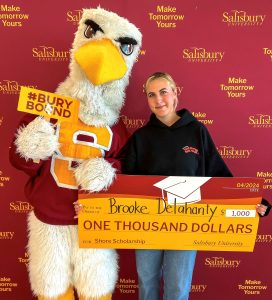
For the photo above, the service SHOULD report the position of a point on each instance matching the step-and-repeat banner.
(220, 54)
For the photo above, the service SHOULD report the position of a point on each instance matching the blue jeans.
(176, 267)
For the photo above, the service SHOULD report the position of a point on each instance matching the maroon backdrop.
(219, 52)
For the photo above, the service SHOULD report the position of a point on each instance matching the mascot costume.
(77, 155)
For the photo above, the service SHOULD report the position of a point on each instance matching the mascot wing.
(36, 140)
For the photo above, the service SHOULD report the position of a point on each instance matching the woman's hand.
(78, 207)
(261, 209)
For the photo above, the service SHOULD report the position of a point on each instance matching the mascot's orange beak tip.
(101, 61)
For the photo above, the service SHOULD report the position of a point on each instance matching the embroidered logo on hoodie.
(188, 149)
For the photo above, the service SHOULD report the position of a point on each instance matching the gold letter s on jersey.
(72, 149)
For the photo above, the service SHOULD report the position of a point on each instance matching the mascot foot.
(106, 297)
(69, 295)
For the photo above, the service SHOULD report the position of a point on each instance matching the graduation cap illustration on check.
(181, 189)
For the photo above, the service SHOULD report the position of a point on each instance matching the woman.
(172, 143)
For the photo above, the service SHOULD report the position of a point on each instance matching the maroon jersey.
(52, 188)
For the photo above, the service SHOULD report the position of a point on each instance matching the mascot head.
(104, 50)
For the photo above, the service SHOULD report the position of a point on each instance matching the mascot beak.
(101, 61)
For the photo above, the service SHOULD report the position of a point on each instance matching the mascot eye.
(127, 49)
(127, 44)
(89, 32)
(91, 29)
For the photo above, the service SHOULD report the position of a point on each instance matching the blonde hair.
(163, 75)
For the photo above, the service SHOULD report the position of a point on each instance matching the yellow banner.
(141, 223)
(47, 104)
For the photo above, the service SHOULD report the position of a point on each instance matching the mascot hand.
(37, 140)
(94, 175)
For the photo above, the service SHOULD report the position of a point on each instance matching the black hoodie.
(183, 149)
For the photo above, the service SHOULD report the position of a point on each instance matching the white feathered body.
(56, 262)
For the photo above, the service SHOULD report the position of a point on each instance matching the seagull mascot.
(62, 158)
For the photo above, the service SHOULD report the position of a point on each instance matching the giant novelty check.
(160, 212)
